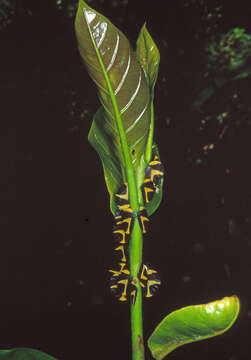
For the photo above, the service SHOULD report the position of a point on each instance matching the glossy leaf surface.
(123, 92)
(24, 354)
(193, 323)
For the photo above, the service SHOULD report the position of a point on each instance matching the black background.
(56, 244)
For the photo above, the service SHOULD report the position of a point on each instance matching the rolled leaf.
(24, 354)
(123, 92)
(193, 323)
(148, 55)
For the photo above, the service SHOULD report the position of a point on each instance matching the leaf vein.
(138, 140)
(124, 76)
(133, 96)
(113, 55)
(131, 127)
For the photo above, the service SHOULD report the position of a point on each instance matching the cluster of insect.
(121, 283)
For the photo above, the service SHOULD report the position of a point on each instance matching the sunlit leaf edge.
(159, 351)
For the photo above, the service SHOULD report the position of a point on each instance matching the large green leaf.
(24, 354)
(123, 92)
(193, 323)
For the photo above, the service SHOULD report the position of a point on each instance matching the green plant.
(231, 51)
(24, 354)
(122, 134)
(228, 60)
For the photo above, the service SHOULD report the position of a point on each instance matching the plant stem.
(148, 152)
(136, 245)
(138, 352)
(136, 240)
(136, 236)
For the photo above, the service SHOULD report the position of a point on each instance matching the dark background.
(56, 244)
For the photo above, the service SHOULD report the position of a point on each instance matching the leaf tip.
(193, 323)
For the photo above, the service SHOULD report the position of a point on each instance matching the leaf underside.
(193, 323)
(24, 354)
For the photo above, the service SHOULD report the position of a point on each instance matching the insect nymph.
(121, 283)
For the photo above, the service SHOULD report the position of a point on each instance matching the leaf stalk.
(136, 245)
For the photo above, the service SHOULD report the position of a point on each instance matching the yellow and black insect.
(121, 283)
(149, 281)
(154, 172)
(125, 214)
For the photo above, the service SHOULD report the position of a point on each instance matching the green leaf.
(193, 323)
(100, 140)
(24, 354)
(148, 55)
(243, 74)
(122, 127)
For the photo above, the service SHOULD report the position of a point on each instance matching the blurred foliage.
(208, 13)
(67, 6)
(222, 101)
(230, 52)
(6, 12)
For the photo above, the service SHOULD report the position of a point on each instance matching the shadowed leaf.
(24, 354)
